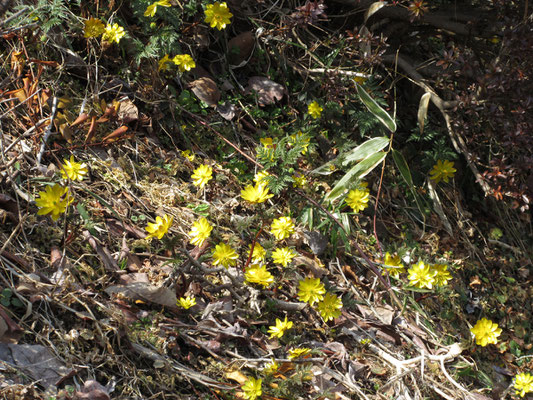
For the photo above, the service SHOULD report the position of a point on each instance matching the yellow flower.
(160, 227)
(523, 383)
(259, 253)
(259, 178)
(358, 199)
(395, 264)
(164, 63)
(186, 302)
(297, 353)
(282, 227)
(200, 231)
(113, 33)
(73, 170)
(184, 62)
(187, 154)
(443, 170)
(54, 200)
(224, 255)
(267, 142)
(279, 329)
(217, 15)
(330, 307)
(283, 256)
(300, 181)
(93, 28)
(442, 275)
(485, 331)
(202, 175)
(271, 368)
(314, 110)
(256, 194)
(152, 8)
(311, 290)
(305, 143)
(252, 387)
(259, 275)
(421, 275)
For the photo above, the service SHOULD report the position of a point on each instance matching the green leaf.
(358, 171)
(375, 109)
(400, 162)
(366, 149)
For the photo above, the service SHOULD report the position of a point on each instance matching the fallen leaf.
(206, 90)
(240, 48)
(128, 111)
(145, 292)
(34, 360)
(226, 110)
(313, 265)
(237, 376)
(92, 390)
(268, 91)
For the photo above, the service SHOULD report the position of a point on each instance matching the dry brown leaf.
(237, 376)
(92, 390)
(226, 110)
(314, 265)
(34, 360)
(240, 48)
(268, 91)
(206, 90)
(145, 292)
(128, 111)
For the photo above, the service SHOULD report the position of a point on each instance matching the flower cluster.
(252, 388)
(184, 62)
(256, 194)
(443, 170)
(282, 227)
(224, 255)
(73, 170)
(424, 275)
(152, 8)
(311, 290)
(200, 231)
(297, 353)
(159, 227)
(113, 33)
(358, 198)
(217, 15)
(283, 256)
(330, 307)
(486, 332)
(279, 329)
(258, 274)
(186, 302)
(54, 201)
(258, 254)
(523, 383)
(394, 265)
(314, 110)
(202, 175)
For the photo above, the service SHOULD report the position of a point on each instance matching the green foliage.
(281, 160)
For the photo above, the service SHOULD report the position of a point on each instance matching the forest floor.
(92, 307)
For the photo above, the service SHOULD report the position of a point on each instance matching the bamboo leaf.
(376, 109)
(364, 150)
(358, 171)
(423, 110)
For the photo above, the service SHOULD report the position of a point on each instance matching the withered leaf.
(145, 292)
(240, 48)
(267, 90)
(128, 111)
(206, 90)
